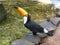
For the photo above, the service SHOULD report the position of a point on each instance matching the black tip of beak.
(15, 7)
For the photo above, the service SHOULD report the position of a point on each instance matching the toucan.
(31, 25)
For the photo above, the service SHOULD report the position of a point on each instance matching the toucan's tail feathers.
(49, 34)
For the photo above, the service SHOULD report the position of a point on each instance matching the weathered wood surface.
(29, 39)
(21, 42)
(55, 39)
(51, 24)
(48, 25)
(55, 20)
(34, 39)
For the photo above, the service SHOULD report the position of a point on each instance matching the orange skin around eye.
(22, 11)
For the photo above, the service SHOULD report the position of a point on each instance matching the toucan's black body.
(32, 26)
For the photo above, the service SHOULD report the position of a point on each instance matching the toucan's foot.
(34, 33)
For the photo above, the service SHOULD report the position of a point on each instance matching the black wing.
(34, 27)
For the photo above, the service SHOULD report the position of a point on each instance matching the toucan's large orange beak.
(21, 11)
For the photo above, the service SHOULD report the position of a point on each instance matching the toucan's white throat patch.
(25, 19)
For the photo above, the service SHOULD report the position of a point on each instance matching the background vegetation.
(12, 28)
